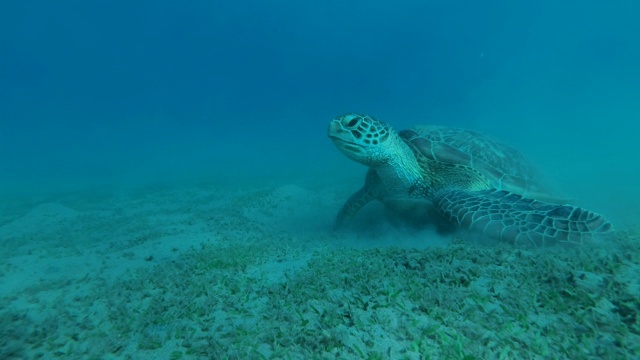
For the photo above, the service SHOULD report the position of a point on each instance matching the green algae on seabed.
(457, 302)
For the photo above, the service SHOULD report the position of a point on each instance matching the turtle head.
(363, 138)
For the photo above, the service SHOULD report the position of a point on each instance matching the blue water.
(94, 90)
(128, 94)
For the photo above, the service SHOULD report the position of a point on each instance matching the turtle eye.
(353, 122)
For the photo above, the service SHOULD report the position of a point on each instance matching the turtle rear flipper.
(510, 217)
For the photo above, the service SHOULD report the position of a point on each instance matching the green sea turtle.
(460, 177)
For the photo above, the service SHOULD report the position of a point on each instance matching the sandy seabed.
(209, 271)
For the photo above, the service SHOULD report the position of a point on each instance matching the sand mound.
(42, 218)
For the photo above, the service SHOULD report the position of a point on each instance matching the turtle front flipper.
(510, 217)
(370, 191)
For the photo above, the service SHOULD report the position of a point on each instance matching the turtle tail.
(513, 218)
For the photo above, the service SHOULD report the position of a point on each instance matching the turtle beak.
(334, 129)
(337, 133)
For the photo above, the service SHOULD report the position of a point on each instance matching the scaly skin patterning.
(460, 176)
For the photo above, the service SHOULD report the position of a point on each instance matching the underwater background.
(110, 106)
(145, 91)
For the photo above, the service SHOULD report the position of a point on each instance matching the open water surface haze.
(162, 162)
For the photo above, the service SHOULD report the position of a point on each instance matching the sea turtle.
(461, 177)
